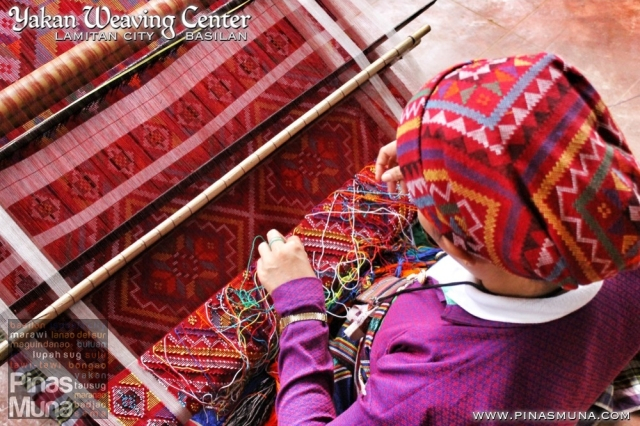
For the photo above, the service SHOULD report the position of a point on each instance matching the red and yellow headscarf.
(519, 161)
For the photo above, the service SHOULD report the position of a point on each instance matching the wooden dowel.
(130, 253)
(24, 99)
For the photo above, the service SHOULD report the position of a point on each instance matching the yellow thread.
(180, 350)
(619, 184)
(152, 400)
(627, 242)
(130, 380)
(604, 210)
(461, 223)
(549, 184)
(409, 125)
(492, 206)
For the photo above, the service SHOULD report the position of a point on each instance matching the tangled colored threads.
(357, 225)
(357, 233)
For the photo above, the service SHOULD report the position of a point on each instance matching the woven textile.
(519, 161)
(90, 196)
(624, 393)
(160, 289)
(84, 195)
(79, 195)
(28, 50)
(207, 359)
(22, 52)
(132, 403)
(68, 203)
(102, 172)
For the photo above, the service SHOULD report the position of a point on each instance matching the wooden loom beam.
(50, 122)
(138, 247)
(22, 100)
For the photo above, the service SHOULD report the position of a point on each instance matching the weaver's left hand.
(282, 260)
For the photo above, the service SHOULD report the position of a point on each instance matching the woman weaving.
(521, 176)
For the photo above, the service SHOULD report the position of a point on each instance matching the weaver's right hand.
(282, 260)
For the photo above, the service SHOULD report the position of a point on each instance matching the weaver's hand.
(387, 169)
(281, 260)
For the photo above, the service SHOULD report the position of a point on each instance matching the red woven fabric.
(166, 284)
(519, 161)
(102, 180)
(206, 360)
(90, 191)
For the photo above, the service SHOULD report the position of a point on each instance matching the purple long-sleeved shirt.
(434, 363)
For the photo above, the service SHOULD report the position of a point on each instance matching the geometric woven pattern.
(22, 52)
(112, 172)
(100, 181)
(206, 361)
(128, 401)
(494, 152)
(132, 403)
(161, 288)
(165, 285)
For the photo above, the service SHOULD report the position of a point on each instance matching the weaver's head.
(519, 162)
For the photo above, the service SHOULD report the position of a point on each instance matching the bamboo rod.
(130, 253)
(23, 100)
(97, 93)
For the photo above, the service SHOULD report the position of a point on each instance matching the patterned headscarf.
(518, 161)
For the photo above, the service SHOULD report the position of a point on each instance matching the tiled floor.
(599, 37)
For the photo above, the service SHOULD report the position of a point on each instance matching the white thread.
(345, 41)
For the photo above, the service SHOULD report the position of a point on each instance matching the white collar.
(507, 309)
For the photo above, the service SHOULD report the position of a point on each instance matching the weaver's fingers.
(274, 233)
(393, 177)
(264, 249)
(295, 241)
(275, 238)
(386, 159)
